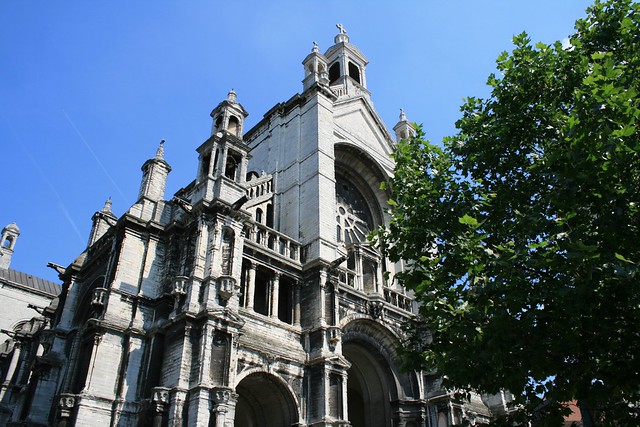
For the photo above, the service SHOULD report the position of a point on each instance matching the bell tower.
(346, 66)
(229, 116)
(7, 244)
(224, 157)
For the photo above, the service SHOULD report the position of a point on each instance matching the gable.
(357, 123)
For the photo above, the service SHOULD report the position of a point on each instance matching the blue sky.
(88, 89)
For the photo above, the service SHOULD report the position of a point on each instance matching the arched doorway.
(370, 386)
(264, 401)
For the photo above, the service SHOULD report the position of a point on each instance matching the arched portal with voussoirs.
(264, 401)
(375, 383)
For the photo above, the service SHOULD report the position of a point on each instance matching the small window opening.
(261, 293)
(259, 215)
(204, 168)
(354, 72)
(334, 72)
(218, 123)
(351, 262)
(369, 269)
(7, 242)
(269, 215)
(285, 301)
(243, 284)
(231, 167)
(234, 125)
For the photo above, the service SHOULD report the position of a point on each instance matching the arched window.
(334, 72)
(218, 123)
(234, 125)
(354, 72)
(231, 167)
(259, 215)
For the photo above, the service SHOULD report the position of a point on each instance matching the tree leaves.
(523, 228)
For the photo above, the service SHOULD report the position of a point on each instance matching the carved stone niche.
(227, 287)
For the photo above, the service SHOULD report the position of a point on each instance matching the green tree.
(523, 229)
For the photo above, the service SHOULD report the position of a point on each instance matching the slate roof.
(29, 282)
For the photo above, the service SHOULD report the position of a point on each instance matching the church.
(251, 297)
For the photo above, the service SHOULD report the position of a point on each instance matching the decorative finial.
(342, 36)
(315, 47)
(231, 97)
(160, 152)
(403, 116)
(107, 206)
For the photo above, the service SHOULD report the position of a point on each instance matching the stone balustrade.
(398, 300)
(273, 241)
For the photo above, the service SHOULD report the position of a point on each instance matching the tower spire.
(154, 176)
(160, 152)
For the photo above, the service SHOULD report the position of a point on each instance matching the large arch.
(264, 401)
(358, 167)
(375, 384)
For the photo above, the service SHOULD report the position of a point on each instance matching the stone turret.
(404, 128)
(7, 244)
(102, 221)
(315, 68)
(154, 176)
(229, 116)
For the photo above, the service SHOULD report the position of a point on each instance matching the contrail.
(44, 177)
(95, 156)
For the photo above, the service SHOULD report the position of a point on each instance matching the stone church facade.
(251, 297)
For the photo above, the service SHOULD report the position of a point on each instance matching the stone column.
(275, 294)
(296, 303)
(324, 277)
(334, 302)
(176, 403)
(11, 370)
(224, 153)
(345, 406)
(211, 167)
(250, 285)
(224, 406)
(92, 363)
